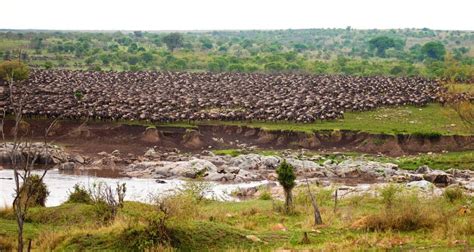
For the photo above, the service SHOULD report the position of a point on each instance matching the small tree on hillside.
(286, 178)
(433, 50)
(173, 40)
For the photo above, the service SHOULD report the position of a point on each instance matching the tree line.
(409, 52)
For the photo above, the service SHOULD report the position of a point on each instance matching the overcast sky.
(235, 14)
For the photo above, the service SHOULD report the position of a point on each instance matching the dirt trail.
(94, 137)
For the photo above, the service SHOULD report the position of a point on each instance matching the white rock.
(422, 184)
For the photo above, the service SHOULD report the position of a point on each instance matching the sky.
(235, 14)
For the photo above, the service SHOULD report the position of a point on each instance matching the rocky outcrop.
(253, 167)
(44, 154)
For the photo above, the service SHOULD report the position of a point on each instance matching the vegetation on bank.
(402, 52)
(397, 219)
(427, 120)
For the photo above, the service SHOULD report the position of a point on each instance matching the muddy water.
(142, 190)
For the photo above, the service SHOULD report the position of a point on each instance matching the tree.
(15, 70)
(29, 189)
(37, 43)
(434, 50)
(381, 44)
(173, 40)
(286, 178)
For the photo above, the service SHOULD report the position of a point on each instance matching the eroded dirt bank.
(93, 137)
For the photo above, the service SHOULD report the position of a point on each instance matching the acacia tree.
(173, 40)
(381, 44)
(22, 153)
(286, 178)
(433, 50)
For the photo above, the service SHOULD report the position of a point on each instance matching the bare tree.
(23, 157)
(317, 214)
(102, 193)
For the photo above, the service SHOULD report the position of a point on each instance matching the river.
(60, 184)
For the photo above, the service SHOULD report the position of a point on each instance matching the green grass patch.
(431, 120)
(442, 161)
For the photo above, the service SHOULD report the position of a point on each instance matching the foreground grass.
(358, 223)
(430, 119)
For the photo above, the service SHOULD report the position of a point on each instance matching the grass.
(360, 222)
(461, 88)
(441, 161)
(432, 119)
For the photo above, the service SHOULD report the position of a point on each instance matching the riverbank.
(358, 222)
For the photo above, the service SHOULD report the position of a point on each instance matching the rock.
(422, 184)
(246, 192)
(438, 177)
(151, 153)
(216, 160)
(232, 169)
(303, 165)
(244, 175)
(159, 181)
(190, 169)
(360, 168)
(221, 177)
(78, 159)
(115, 153)
(253, 238)
(102, 153)
(469, 186)
(423, 169)
(247, 162)
(270, 162)
(68, 166)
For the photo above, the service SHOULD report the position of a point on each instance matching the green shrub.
(389, 195)
(265, 195)
(79, 195)
(196, 189)
(37, 190)
(286, 178)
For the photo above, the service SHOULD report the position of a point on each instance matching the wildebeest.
(173, 96)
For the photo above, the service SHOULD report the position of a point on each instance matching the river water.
(60, 184)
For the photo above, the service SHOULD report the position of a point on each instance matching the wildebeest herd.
(170, 96)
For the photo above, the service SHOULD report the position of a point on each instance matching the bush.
(106, 200)
(453, 194)
(324, 196)
(265, 195)
(389, 195)
(79, 195)
(409, 215)
(37, 189)
(15, 69)
(196, 189)
(179, 207)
